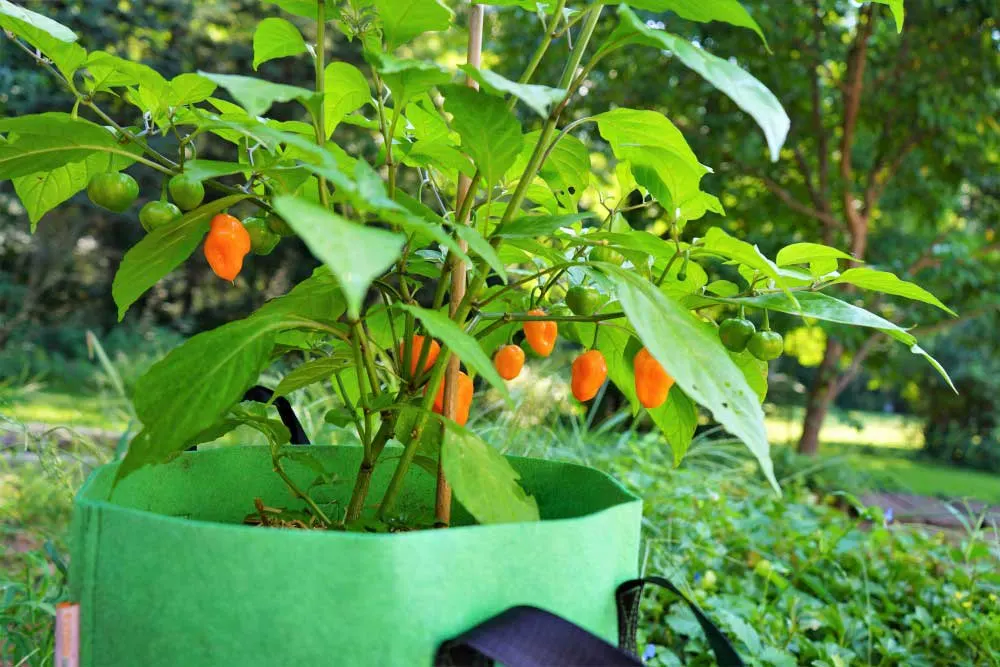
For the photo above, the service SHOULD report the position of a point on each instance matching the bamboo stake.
(442, 505)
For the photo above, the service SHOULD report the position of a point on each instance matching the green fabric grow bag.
(165, 573)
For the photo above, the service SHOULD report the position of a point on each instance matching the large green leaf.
(402, 20)
(276, 38)
(490, 133)
(407, 78)
(718, 242)
(15, 18)
(889, 283)
(313, 371)
(483, 480)
(704, 11)
(318, 297)
(747, 92)
(51, 140)
(346, 91)
(697, 361)
(355, 253)
(657, 152)
(806, 253)
(461, 344)
(43, 191)
(533, 226)
(189, 389)
(161, 251)
(537, 98)
(189, 88)
(67, 56)
(824, 307)
(257, 95)
(200, 170)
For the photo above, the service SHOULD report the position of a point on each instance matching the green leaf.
(346, 91)
(657, 152)
(257, 95)
(51, 140)
(805, 253)
(720, 243)
(312, 372)
(691, 353)
(161, 251)
(402, 20)
(483, 480)
(705, 11)
(460, 343)
(43, 191)
(898, 13)
(355, 253)
(200, 170)
(677, 419)
(482, 247)
(276, 38)
(318, 297)
(14, 18)
(754, 370)
(67, 56)
(747, 92)
(189, 389)
(490, 133)
(533, 226)
(566, 170)
(537, 98)
(190, 88)
(888, 283)
(407, 78)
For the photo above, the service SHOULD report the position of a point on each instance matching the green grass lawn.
(875, 443)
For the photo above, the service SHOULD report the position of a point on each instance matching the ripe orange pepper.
(418, 345)
(226, 245)
(589, 373)
(540, 334)
(509, 361)
(652, 383)
(463, 399)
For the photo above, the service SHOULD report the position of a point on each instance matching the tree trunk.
(821, 396)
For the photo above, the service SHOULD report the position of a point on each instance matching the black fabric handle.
(532, 637)
(262, 394)
(629, 595)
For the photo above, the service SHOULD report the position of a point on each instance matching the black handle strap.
(532, 637)
(262, 394)
(629, 595)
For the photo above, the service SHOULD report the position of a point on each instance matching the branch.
(847, 377)
(879, 177)
(822, 139)
(787, 197)
(944, 325)
(857, 59)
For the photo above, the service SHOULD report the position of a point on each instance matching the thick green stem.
(324, 196)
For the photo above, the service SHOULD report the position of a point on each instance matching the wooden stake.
(442, 506)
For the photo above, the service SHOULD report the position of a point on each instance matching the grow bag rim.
(107, 506)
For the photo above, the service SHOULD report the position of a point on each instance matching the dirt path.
(909, 508)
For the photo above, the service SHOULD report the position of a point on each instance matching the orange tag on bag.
(67, 635)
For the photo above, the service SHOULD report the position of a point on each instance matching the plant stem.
(525, 317)
(442, 504)
(324, 196)
(317, 512)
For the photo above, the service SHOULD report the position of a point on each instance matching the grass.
(74, 411)
(847, 427)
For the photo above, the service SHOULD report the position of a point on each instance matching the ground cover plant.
(465, 229)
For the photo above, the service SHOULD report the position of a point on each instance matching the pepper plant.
(481, 217)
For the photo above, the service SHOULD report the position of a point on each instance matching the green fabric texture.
(166, 575)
